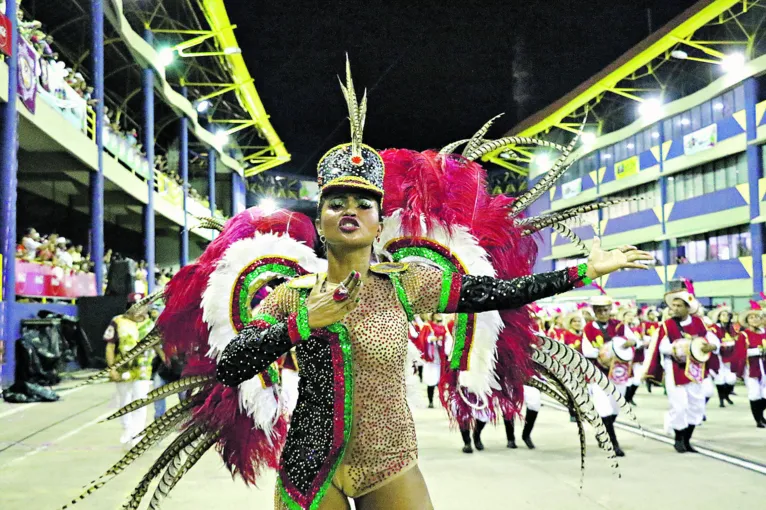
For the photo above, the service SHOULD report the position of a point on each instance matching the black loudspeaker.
(121, 280)
(95, 313)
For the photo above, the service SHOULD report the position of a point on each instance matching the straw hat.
(601, 300)
(645, 312)
(570, 317)
(624, 310)
(744, 314)
(715, 313)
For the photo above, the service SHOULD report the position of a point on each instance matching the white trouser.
(687, 402)
(132, 423)
(756, 388)
(606, 405)
(638, 373)
(532, 398)
(708, 388)
(431, 373)
(725, 375)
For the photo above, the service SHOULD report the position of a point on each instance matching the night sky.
(435, 70)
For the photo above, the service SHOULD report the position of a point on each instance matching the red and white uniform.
(720, 364)
(686, 395)
(750, 347)
(627, 331)
(431, 345)
(573, 340)
(595, 335)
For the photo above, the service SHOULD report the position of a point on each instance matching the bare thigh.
(407, 492)
(333, 500)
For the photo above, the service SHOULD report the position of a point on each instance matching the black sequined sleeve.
(484, 293)
(261, 343)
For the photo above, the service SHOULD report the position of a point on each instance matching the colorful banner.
(701, 140)
(626, 168)
(5, 35)
(27, 74)
(572, 188)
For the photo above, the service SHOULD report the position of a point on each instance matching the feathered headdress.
(352, 165)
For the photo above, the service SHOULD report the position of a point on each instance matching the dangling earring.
(322, 238)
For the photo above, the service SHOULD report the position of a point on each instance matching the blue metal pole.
(97, 177)
(148, 86)
(211, 163)
(183, 162)
(663, 201)
(754, 173)
(9, 183)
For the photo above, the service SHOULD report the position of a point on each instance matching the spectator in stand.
(47, 251)
(62, 257)
(30, 243)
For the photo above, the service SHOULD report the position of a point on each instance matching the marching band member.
(556, 330)
(573, 330)
(649, 326)
(627, 317)
(596, 335)
(433, 336)
(751, 345)
(414, 334)
(683, 344)
(723, 328)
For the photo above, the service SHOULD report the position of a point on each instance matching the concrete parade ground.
(48, 452)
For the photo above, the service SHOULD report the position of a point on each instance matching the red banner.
(5, 35)
(38, 280)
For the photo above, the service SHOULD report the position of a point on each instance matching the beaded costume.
(450, 247)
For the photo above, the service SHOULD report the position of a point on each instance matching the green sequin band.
(461, 326)
(302, 321)
(582, 270)
(269, 319)
(440, 260)
(243, 287)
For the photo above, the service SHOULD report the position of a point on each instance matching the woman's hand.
(602, 262)
(325, 309)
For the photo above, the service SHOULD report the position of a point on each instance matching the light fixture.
(655, 134)
(267, 206)
(542, 161)
(233, 50)
(679, 54)
(650, 108)
(166, 56)
(588, 138)
(718, 106)
(732, 62)
(685, 122)
(202, 106)
(630, 146)
(606, 156)
(221, 138)
(505, 155)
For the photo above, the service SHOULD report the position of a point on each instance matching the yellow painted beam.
(218, 20)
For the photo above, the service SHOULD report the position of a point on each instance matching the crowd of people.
(693, 353)
(54, 250)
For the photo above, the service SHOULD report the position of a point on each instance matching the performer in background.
(416, 325)
(433, 336)
(600, 343)
(751, 346)
(725, 378)
(627, 316)
(649, 326)
(683, 347)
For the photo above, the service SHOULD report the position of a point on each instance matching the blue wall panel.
(715, 270)
(608, 174)
(728, 127)
(646, 160)
(640, 219)
(633, 278)
(585, 232)
(676, 148)
(705, 204)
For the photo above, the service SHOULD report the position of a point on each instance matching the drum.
(615, 350)
(690, 347)
(696, 351)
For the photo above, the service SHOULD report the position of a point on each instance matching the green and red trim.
(578, 275)
(241, 293)
(339, 341)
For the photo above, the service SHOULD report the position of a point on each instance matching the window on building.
(565, 263)
(655, 248)
(644, 197)
(726, 244)
(713, 176)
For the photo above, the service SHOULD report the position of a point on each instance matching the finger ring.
(341, 293)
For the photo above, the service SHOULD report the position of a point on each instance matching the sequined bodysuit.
(379, 442)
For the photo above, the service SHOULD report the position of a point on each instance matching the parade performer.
(649, 326)
(431, 342)
(751, 346)
(682, 349)
(627, 317)
(416, 325)
(725, 378)
(449, 247)
(612, 354)
(133, 380)
(573, 330)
